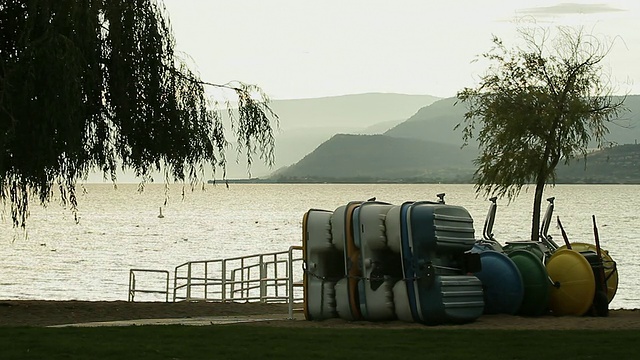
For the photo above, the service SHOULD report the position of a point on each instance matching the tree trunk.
(537, 203)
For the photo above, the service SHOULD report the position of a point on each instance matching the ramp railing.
(157, 284)
(296, 291)
(268, 278)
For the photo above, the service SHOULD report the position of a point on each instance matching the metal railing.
(133, 290)
(267, 278)
(261, 277)
(295, 287)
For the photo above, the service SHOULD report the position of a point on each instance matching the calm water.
(120, 229)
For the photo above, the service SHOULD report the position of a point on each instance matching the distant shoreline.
(381, 181)
(346, 181)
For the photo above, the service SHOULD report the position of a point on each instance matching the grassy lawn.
(251, 342)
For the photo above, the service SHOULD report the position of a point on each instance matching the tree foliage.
(97, 85)
(538, 105)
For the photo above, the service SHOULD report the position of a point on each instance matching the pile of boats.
(420, 262)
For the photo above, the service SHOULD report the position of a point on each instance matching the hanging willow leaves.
(96, 85)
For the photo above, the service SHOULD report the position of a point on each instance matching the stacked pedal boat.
(376, 261)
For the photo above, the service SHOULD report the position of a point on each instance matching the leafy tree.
(537, 105)
(97, 85)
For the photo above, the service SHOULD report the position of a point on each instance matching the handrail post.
(243, 279)
(275, 275)
(224, 280)
(290, 282)
(166, 298)
(189, 282)
(263, 288)
(132, 285)
(175, 283)
(206, 279)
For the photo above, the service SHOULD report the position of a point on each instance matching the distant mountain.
(436, 122)
(366, 158)
(379, 128)
(380, 158)
(616, 165)
(433, 123)
(626, 129)
(425, 148)
(355, 111)
(307, 123)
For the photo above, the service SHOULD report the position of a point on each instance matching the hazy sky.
(304, 48)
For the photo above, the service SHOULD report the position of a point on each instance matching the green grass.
(252, 342)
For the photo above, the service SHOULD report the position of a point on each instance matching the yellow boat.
(610, 269)
(574, 282)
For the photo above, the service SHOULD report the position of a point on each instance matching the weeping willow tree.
(538, 105)
(90, 85)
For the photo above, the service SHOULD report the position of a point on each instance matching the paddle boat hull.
(434, 239)
(324, 265)
(347, 299)
(381, 265)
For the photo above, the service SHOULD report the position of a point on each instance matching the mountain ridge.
(433, 126)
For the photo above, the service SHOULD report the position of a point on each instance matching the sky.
(304, 49)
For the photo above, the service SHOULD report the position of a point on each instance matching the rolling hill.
(425, 148)
(616, 165)
(436, 122)
(306, 123)
(371, 158)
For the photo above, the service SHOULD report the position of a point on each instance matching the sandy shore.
(47, 313)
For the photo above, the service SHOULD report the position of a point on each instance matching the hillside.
(370, 158)
(616, 165)
(379, 158)
(306, 123)
(426, 148)
(356, 111)
(433, 123)
(437, 121)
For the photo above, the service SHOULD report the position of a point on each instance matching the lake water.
(119, 229)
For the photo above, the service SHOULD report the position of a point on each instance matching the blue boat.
(502, 283)
(434, 240)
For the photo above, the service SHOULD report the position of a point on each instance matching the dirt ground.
(46, 313)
